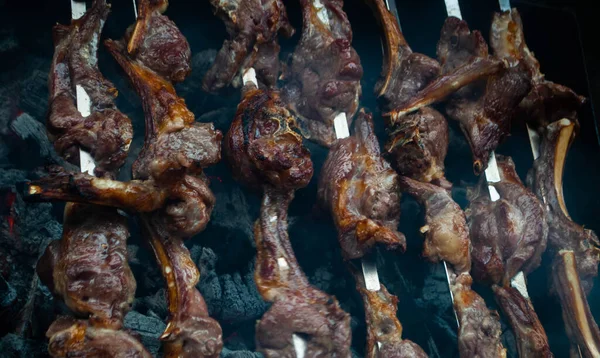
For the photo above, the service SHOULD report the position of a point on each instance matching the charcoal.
(147, 328)
(13, 346)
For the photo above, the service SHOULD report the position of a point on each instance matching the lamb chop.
(361, 191)
(106, 132)
(77, 338)
(384, 331)
(265, 152)
(323, 77)
(508, 235)
(252, 26)
(418, 142)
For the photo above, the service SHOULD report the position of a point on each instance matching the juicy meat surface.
(508, 235)
(298, 307)
(323, 78)
(261, 145)
(77, 338)
(484, 108)
(88, 267)
(446, 232)
(360, 190)
(531, 336)
(545, 179)
(384, 331)
(479, 328)
(156, 41)
(190, 331)
(252, 26)
(105, 133)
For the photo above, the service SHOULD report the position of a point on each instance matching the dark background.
(561, 33)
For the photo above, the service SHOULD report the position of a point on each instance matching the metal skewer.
(86, 162)
(518, 281)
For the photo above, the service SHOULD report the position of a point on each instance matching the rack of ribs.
(265, 153)
(323, 76)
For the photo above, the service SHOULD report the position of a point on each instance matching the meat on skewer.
(88, 267)
(264, 151)
(323, 78)
(252, 26)
(447, 238)
(483, 93)
(106, 133)
(361, 191)
(508, 235)
(384, 331)
(418, 142)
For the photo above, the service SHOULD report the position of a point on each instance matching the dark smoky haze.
(562, 35)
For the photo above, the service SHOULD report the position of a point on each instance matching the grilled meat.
(446, 232)
(531, 336)
(252, 26)
(323, 78)
(361, 191)
(262, 148)
(508, 235)
(547, 101)
(88, 267)
(479, 328)
(384, 331)
(77, 338)
(155, 41)
(106, 132)
(483, 108)
(264, 151)
(190, 331)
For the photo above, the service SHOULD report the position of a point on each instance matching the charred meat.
(106, 132)
(323, 78)
(361, 191)
(263, 150)
(508, 235)
(252, 26)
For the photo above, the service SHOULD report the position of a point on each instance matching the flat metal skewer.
(86, 162)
